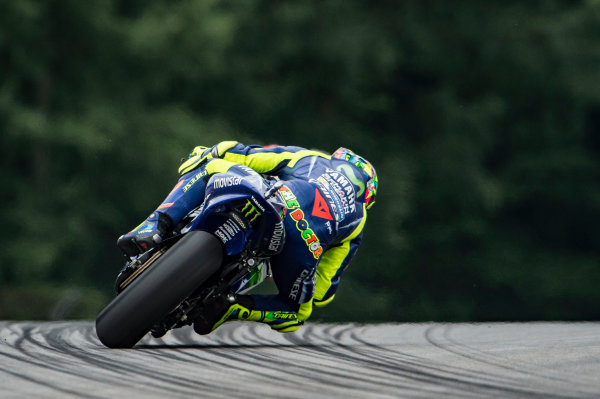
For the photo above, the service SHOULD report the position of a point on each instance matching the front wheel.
(171, 279)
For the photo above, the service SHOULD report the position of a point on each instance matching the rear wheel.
(172, 278)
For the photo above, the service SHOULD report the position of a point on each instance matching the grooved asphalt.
(248, 360)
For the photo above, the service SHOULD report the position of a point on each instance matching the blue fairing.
(236, 212)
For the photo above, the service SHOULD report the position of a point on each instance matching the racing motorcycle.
(222, 246)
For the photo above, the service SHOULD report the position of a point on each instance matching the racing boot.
(242, 307)
(224, 308)
(145, 237)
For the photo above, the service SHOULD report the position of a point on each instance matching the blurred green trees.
(482, 120)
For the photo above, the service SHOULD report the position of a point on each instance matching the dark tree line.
(481, 119)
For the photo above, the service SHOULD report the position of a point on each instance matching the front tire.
(172, 278)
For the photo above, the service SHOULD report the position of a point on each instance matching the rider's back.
(328, 195)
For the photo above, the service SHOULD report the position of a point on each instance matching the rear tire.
(156, 292)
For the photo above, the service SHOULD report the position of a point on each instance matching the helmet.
(368, 169)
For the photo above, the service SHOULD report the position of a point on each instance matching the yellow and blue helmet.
(368, 169)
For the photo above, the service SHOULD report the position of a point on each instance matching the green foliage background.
(482, 119)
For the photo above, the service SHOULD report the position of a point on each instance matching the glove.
(198, 157)
(201, 154)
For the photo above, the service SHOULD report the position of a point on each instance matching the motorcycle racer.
(326, 198)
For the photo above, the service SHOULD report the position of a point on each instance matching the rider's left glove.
(197, 157)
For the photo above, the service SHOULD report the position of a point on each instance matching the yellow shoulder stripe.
(217, 165)
(214, 165)
(264, 162)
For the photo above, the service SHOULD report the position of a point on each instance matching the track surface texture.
(514, 360)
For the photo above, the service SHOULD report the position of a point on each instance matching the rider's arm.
(333, 263)
(268, 160)
(203, 156)
(330, 269)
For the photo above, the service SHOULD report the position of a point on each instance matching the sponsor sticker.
(332, 197)
(307, 234)
(257, 203)
(285, 315)
(276, 238)
(238, 220)
(288, 197)
(194, 179)
(227, 230)
(342, 187)
(298, 283)
(320, 208)
(329, 228)
(226, 182)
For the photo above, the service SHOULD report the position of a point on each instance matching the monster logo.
(250, 211)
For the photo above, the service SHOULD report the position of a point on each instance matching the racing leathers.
(323, 225)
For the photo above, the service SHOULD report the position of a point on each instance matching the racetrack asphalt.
(248, 360)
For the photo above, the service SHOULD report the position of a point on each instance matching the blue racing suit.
(324, 221)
